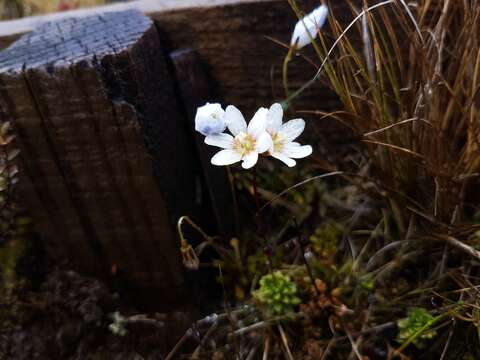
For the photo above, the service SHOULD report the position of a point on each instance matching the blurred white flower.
(310, 24)
(283, 147)
(247, 141)
(210, 119)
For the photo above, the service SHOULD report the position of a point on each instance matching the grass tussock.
(410, 93)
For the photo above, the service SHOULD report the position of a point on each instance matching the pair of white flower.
(264, 134)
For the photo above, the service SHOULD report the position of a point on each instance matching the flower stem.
(286, 60)
(257, 218)
(254, 185)
(231, 180)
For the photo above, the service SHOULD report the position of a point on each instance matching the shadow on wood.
(195, 90)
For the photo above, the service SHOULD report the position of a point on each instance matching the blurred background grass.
(12, 9)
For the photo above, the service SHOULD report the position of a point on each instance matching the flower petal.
(264, 142)
(258, 124)
(210, 119)
(319, 15)
(285, 159)
(296, 151)
(235, 121)
(292, 129)
(226, 157)
(307, 28)
(301, 37)
(222, 140)
(274, 118)
(250, 160)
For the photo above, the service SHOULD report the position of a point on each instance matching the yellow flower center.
(244, 143)
(278, 142)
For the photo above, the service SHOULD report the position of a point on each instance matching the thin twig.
(330, 345)
(266, 347)
(252, 353)
(209, 332)
(375, 329)
(285, 342)
(354, 346)
(178, 345)
(447, 344)
(266, 323)
(228, 309)
(460, 245)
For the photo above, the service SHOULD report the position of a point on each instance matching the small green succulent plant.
(412, 326)
(277, 294)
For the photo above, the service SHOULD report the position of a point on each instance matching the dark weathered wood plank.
(64, 226)
(127, 219)
(72, 151)
(106, 148)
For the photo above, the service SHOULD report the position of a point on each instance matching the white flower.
(310, 24)
(283, 147)
(210, 119)
(247, 141)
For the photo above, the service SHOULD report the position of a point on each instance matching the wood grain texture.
(107, 162)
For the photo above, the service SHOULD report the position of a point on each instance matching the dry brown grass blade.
(406, 121)
(322, 176)
(395, 148)
(333, 114)
(412, 18)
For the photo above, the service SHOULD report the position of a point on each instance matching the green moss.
(326, 237)
(277, 294)
(367, 283)
(417, 319)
